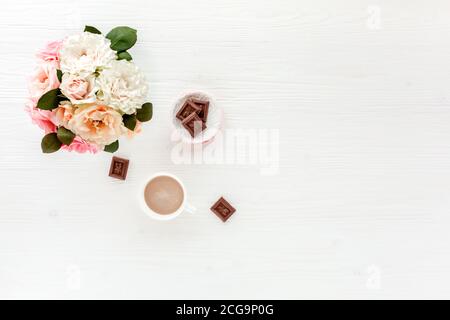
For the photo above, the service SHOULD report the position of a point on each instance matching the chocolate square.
(223, 209)
(119, 168)
(193, 121)
(204, 105)
(187, 109)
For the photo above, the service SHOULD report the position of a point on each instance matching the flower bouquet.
(86, 92)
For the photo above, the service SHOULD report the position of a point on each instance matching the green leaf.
(122, 38)
(50, 143)
(92, 29)
(65, 136)
(145, 113)
(124, 55)
(59, 75)
(113, 147)
(129, 121)
(49, 100)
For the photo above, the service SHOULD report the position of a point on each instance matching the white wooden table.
(360, 93)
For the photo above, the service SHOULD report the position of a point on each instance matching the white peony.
(86, 53)
(122, 86)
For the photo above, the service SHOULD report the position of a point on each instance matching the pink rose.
(43, 118)
(43, 80)
(81, 146)
(79, 89)
(50, 52)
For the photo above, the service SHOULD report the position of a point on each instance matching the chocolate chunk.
(187, 109)
(223, 209)
(194, 124)
(204, 105)
(200, 102)
(119, 168)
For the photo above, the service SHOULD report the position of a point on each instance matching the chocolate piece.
(194, 124)
(119, 168)
(187, 109)
(204, 105)
(223, 209)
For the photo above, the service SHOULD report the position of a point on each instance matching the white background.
(360, 91)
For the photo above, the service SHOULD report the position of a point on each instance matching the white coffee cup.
(184, 207)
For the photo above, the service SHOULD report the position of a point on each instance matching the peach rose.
(137, 130)
(98, 124)
(63, 113)
(78, 89)
(43, 80)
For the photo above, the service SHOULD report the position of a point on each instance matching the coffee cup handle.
(190, 208)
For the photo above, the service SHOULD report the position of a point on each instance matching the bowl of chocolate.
(197, 118)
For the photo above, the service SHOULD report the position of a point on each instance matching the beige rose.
(97, 124)
(78, 89)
